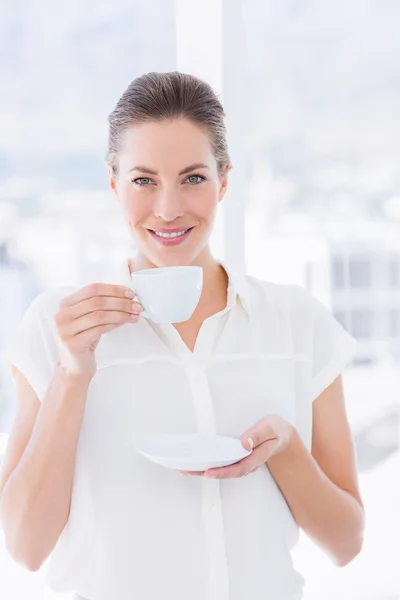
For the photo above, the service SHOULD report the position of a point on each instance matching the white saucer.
(190, 451)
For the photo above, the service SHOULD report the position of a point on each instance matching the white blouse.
(138, 531)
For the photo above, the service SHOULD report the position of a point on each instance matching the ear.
(223, 183)
(112, 182)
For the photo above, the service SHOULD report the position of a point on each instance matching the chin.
(180, 260)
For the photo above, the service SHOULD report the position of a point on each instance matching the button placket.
(214, 527)
(195, 364)
(211, 501)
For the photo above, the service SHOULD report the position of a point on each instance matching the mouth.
(170, 237)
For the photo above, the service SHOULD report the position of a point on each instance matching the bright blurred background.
(312, 94)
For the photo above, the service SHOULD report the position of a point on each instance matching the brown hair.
(160, 96)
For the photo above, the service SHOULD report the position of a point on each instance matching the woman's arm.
(37, 475)
(321, 488)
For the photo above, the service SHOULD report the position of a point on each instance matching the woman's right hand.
(82, 319)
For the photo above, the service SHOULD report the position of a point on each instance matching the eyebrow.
(183, 172)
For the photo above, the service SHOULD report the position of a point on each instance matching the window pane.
(361, 323)
(395, 273)
(395, 323)
(359, 273)
(338, 277)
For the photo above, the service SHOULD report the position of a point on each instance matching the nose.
(168, 206)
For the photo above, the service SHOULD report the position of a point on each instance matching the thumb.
(247, 442)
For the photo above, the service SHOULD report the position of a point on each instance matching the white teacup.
(168, 294)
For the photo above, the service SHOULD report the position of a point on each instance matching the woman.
(256, 361)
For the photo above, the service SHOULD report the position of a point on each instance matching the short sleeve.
(33, 349)
(320, 339)
(333, 348)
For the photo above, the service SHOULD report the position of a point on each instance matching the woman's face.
(169, 188)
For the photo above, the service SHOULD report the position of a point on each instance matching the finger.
(247, 443)
(98, 303)
(86, 338)
(101, 317)
(258, 457)
(136, 308)
(195, 473)
(233, 471)
(261, 432)
(96, 289)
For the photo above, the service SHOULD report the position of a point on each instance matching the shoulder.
(42, 310)
(285, 299)
(48, 302)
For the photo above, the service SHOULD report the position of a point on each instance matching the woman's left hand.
(270, 436)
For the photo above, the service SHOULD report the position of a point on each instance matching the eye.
(141, 181)
(195, 179)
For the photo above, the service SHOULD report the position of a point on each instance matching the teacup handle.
(143, 312)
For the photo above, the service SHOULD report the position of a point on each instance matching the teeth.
(171, 235)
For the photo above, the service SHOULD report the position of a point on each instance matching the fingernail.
(129, 294)
(134, 317)
(251, 442)
(136, 306)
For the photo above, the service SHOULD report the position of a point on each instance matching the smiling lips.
(170, 237)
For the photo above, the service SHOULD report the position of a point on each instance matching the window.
(360, 273)
(394, 323)
(361, 323)
(394, 273)
(338, 274)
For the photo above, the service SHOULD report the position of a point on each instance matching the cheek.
(134, 209)
(204, 205)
